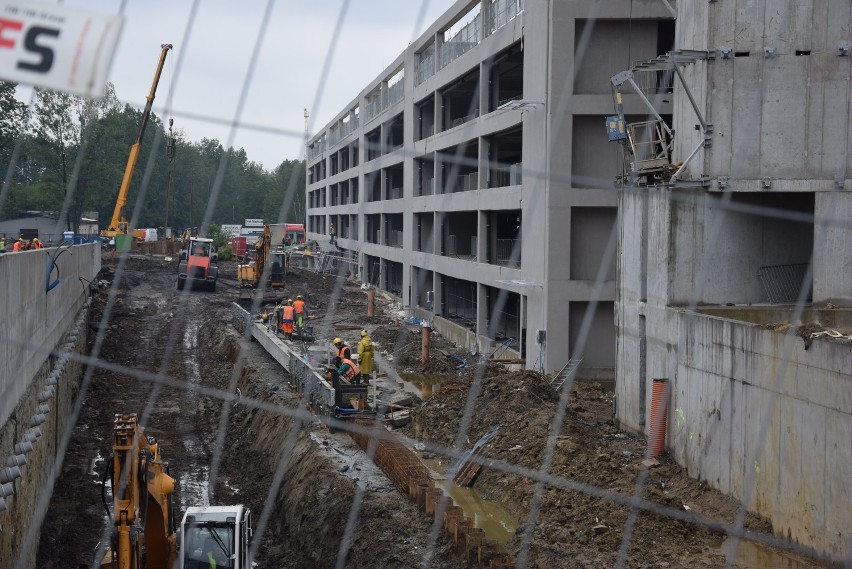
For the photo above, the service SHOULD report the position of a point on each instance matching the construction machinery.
(199, 264)
(215, 536)
(142, 509)
(143, 513)
(249, 273)
(118, 225)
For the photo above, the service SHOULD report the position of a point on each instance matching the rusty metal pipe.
(426, 343)
(371, 303)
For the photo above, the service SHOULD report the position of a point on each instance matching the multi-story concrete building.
(723, 258)
(475, 174)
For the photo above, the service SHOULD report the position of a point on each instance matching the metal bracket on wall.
(722, 181)
(766, 183)
(843, 49)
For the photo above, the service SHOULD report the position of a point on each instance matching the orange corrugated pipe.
(659, 418)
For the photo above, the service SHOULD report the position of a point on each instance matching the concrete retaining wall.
(33, 320)
(759, 417)
(34, 346)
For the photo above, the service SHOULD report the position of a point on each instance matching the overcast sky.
(217, 52)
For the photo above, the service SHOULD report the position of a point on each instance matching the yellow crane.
(118, 225)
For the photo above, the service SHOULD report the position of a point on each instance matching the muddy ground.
(304, 486)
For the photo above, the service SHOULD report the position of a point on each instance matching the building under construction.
(474, 176)
(735, 258)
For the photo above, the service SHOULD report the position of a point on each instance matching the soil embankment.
(309, 488)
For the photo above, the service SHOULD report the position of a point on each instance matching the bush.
(225, 253)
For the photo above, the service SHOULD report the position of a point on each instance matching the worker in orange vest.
(348, 370)
(36, 244)
(299, 307)
(343, 351)
(287, 314)
(18, 246)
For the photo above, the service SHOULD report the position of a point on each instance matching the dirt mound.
(590, 451)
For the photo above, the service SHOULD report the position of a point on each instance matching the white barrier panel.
(56, 46)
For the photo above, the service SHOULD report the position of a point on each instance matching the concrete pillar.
(482, 240)
(833, 247)
(438, 300)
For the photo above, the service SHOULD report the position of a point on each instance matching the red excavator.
(199, 264)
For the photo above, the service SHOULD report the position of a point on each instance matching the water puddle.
(423, 385)
(490, 517)
(497, 523)
(190, 344)
(752, 555)
(193, 488)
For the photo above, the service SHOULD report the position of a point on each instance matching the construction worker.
(287, 314)
(299, 307)
(343, 351)
(36, 244)
(365, 355)
(332, 232)
(3, 244)
(18, 246)
(348, 370)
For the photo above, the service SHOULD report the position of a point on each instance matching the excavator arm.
(142, 512)
(118, 224)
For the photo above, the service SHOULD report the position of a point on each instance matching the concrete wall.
(40, 329)
(757, 415)
(768, 113)
(33, 320)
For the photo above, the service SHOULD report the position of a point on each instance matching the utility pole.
(170, 156)
(305, 213)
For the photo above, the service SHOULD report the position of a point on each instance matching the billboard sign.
(254, 223)
(232, 230)
(55, 46)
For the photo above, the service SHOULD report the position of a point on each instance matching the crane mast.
(118, 225)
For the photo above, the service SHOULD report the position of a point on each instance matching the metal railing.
(503, 11)
(424, 67)
(508, 252)
(466, 39)
(784, 283)
(467, 249)
(466, 182)
(393, 93)
(507, 176)
(461, 120)
(374, 104)
(427, 188)
(394, 238)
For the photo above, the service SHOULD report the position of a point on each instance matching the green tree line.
(70, 154)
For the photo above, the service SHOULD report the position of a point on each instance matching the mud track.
(153, 328)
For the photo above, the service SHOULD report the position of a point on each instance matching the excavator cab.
(215, 536)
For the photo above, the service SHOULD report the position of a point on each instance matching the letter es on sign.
(33, 44)
(56, 46)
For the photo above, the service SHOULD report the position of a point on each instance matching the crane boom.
(118, 223)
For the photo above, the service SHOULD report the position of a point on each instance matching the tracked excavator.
(249, 273)
(144, 519)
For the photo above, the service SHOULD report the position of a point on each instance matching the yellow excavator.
(118, 225)
(142, 506)
(250, 271)
(143, 513)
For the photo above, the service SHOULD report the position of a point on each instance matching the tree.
(13, 123)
